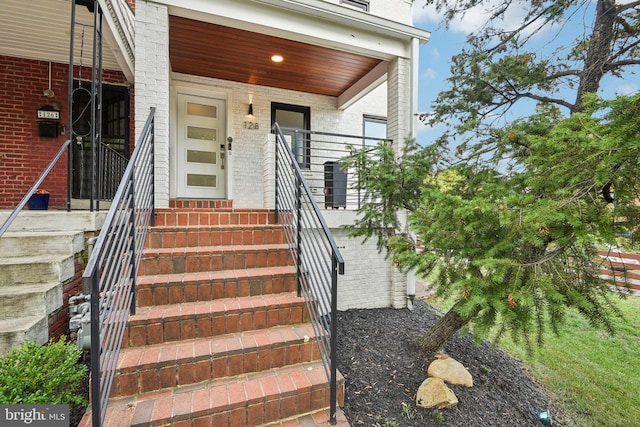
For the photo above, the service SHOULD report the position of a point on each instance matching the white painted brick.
(152, 86)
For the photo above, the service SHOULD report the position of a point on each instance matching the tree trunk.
(598, 52)
(445, 328)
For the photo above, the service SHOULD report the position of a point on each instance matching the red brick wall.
(59, 320)
(23, 154)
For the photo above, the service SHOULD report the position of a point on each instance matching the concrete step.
(207, 235)
(244, 400)
(213, 258)
(52, 220)
(159, 324)
(18, 329)
(40, 298)
(205, 286)
(149, 368)
(36, 269)
(27, 243)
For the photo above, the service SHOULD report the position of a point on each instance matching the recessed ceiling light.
(277, 58)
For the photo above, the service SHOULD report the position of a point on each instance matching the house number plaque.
(251, 125)
(49, 114)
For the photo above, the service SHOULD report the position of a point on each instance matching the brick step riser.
(179, 238)
(254, 411)
(178, 263)
(207, 217)
(182, 372)
(151, 331)
(207, 290)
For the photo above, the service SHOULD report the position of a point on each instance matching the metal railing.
(317, 258)
(112, 268)
(112, 168)
(34, 187)
(318, 154)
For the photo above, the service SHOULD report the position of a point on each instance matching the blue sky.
(436, 54)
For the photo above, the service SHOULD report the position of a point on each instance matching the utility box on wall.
(335, 186)
(48, 121)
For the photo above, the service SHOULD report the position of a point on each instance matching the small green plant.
(35, 374)
(438, 416)
(408, 412)
(391, 424)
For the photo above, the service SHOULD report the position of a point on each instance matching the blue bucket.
(38, 202)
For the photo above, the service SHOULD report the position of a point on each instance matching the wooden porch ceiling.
(216, 51)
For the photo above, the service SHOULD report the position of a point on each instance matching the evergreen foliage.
(511, 210)
(512, 228)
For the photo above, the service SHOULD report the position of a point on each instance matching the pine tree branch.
(623, 7)
(548, 99)
(566, 73)
(522, 28)
(615, 65)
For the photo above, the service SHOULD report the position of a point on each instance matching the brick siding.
(23, 154)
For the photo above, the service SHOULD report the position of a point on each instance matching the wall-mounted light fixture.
(250, 113)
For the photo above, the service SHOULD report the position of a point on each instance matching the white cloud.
(626, 89)
(474, 18)
(430, 74)
(435, 52)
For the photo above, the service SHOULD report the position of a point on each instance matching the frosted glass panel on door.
(202, 110)
(196, 156)
(196, 180)
(201, 133)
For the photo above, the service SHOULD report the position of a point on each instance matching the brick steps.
(213, 258)
(244, 400)
(219, 337)
(205, 286)
(205, 235)
(166, 365)
(201, 216)
(157, 324)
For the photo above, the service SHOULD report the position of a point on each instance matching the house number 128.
(251, 125)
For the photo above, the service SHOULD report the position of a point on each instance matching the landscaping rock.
(451, 371)
(433, 392)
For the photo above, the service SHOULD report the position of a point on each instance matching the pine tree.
(511, 218)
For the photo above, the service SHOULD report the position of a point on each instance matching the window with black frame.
(374, 130)
(291, 118)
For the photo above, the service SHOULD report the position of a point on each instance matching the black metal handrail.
(112, 268)
(316, 255)
(34, 187)
(319, 154)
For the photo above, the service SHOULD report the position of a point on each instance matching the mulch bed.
(383, 368)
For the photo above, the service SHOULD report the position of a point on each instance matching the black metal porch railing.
(112, 168)
(112, 268)
(316, 255)
(318, 154)
(34, 187)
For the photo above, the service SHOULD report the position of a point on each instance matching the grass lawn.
(595, 377)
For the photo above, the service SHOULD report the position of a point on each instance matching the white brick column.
(399, 125)
(269, 171)
(399, 101)
(152, 86)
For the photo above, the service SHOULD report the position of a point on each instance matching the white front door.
(201, 141)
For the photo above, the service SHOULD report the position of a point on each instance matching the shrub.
(35, 374)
